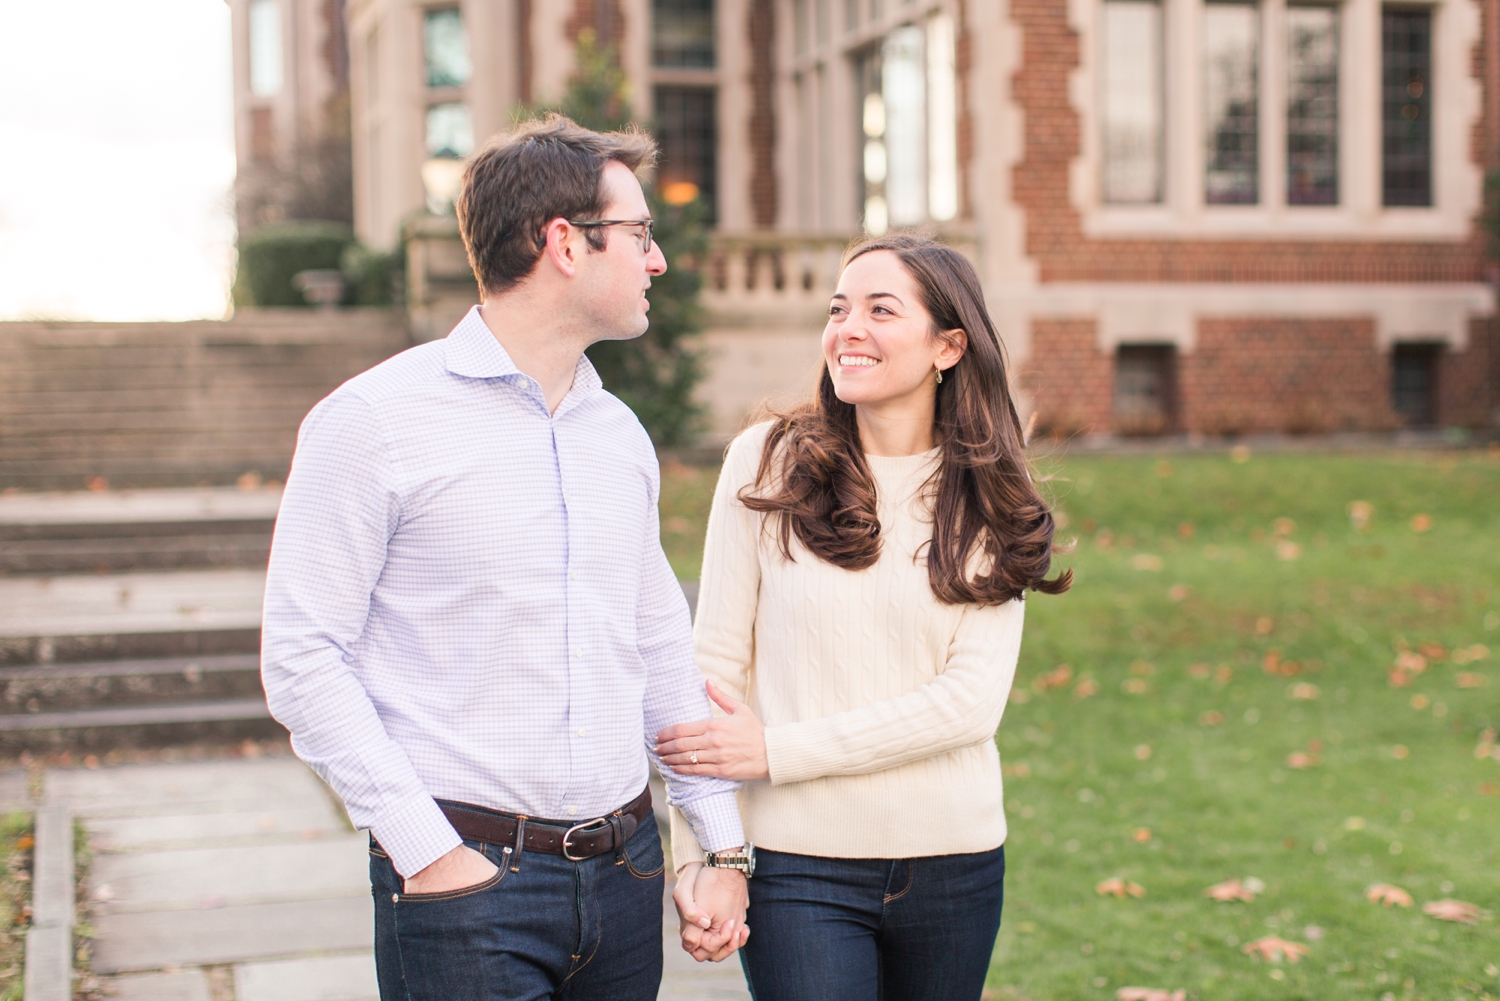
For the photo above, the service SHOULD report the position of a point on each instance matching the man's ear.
(562, 250)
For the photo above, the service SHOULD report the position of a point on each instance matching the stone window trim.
(1183, 212)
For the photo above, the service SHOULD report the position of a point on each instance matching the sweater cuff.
(415, 834)
(796, 752)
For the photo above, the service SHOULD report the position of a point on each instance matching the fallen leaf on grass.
(1019, 770)
(1134, 686)
(1360, 513)
(1470, 680)
(1121, 888)
(1287, 550)
(1200, 670)
(1421, 523)
(1179, 592)
(1411, 663)
(1146, 561)
(1055, 678)
(1211, 718)
(1142, 752)
(1304, 691)
(1085, 688)
(1465, 655)
(1276, 949)
(1229, 890)
(1452, 910)
(1142, 834)
(1390, 896)
(1149, 994)
(1300, 760)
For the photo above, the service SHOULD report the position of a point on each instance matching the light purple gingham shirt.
(468, 600)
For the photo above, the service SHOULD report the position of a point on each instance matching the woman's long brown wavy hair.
(813, 476)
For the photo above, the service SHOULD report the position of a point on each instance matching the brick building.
(1189, 215)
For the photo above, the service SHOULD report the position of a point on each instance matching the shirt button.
(572, 574)
(578, 654)
(581, 731)
(572, 811)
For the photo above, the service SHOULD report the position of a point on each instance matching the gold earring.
(940, 376)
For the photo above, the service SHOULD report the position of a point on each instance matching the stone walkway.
(241, 881)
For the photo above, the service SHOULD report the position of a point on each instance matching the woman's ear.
(952, 345)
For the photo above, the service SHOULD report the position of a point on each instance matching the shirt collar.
(473, 351)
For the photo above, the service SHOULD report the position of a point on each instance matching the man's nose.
(656, 261)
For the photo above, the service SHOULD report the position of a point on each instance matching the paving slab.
(245, 874)
(112, 604)
(191, 830)
(153, 941)
(109, 507)
(321, 978)
(183, 985)
(188, 787)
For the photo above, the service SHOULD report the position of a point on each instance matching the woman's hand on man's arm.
(727, 747)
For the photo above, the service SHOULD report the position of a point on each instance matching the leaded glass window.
(1131, 101)
(1231, 54)
(1312, 106)
(686, 130)
(450, 132)
(265, 48)
(445, 48)
(1406, 106)
(682, 33)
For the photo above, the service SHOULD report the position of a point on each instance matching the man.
(471, 630)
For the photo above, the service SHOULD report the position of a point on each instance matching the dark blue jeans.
(555, 929)
(829, 929)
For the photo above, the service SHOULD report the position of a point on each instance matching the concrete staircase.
(173, 404)
(132, 619)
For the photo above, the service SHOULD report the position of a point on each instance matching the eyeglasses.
(645, 225)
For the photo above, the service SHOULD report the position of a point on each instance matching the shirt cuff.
(716, 821)
(415, 834)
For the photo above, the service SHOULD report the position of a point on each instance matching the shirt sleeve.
(675, 693)
(338, 512)
(961, 706)
(728, 592)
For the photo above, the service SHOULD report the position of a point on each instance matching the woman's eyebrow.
(885, 295)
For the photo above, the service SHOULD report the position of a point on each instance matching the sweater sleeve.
(961, 706)
(728, 591)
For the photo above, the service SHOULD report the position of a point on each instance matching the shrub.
(370, 276)
(271, 255)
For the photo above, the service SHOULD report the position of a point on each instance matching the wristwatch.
(742, 859)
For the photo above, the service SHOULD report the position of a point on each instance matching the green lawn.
(1163, 754)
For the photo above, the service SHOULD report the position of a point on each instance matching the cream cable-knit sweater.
(880, 703)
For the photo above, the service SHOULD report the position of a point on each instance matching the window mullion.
(1182, 80)
(1273, 103)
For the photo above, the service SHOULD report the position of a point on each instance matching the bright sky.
(116, 159)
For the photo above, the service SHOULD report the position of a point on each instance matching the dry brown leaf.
(1117, 887)
(1142, 834)
(1211, 718)
(1411, 663)
(1200, 670)
(1452, 910)
(1055, 678)
(1288, 550)
(1469, 679)
(1390, 896)
(1360, 513)
(1276, 949)
(1398, 678)
(1300, 760)
(1085, 688)
(1147, 561)
(1468, 654)
(1149, 994)
(1229, 890)
(1304, 691)
(1179, 592)
(1421, 523)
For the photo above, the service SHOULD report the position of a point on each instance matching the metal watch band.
(743, 860)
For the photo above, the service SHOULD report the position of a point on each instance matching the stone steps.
(173, 404)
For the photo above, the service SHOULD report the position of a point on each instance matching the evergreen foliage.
(655, 374)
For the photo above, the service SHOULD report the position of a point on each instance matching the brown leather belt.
(554, 837)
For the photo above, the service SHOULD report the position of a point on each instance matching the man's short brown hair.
(548, 167)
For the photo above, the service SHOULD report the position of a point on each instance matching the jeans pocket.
(643, 852)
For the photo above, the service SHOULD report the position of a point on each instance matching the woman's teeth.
(860, 360)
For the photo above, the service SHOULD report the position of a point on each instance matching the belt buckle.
(579, 827)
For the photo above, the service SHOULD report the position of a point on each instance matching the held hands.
(711, 904)
(725, 747)
(461, 868)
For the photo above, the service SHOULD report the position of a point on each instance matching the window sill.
(1252, 222)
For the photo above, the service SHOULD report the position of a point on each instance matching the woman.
(862, 576)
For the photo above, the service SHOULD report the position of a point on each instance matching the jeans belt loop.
(515, 863)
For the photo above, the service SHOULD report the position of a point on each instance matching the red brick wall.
(1054, 238)
(1467, 380)
(1297, 376)
(1071, 381)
